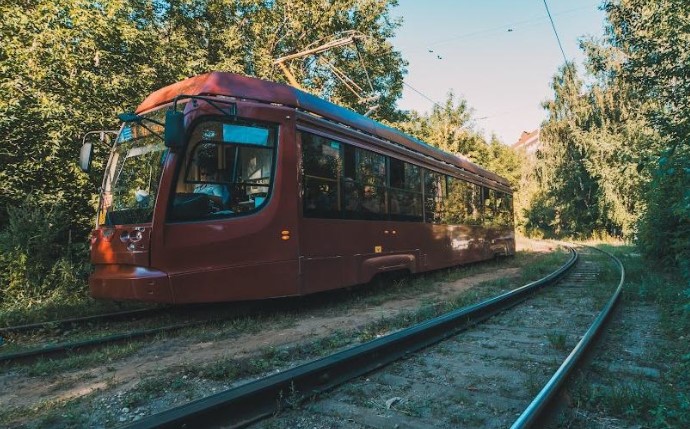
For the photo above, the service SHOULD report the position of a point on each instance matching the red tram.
(223, 187)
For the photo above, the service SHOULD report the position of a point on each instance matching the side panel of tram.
(368, 209)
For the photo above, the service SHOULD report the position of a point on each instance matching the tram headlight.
(132, 238)
(135, 236)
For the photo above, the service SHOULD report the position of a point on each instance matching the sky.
(499, 55)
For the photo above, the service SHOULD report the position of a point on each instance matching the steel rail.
(258, 399)
(539, 405)
(85, 344)
(81, 320)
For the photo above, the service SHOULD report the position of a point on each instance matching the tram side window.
(473, 204)
(455, 204)
(434, 196)
(405, 191)
(504, 207)
(488, 205)
(228, 171)
(365, 193)
(321, 168)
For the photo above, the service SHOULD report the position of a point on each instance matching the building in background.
(529, 142)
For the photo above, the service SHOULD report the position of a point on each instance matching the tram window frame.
(405, 196)
(194, 206)
(318, 201)
(434, 196)
(364, 188)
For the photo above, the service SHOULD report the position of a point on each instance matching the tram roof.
(234, 85)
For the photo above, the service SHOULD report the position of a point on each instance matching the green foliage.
(38, 261)
(449, 128)
(588, 183)
(70, 66)
(653, 39)
(665, 226)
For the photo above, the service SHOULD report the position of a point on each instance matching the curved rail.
(538, 406)
(255, 400)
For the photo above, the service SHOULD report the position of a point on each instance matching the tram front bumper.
(130, 283)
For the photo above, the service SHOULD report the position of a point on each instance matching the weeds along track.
(429, 375)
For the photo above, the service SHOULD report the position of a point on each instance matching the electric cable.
(555, 32)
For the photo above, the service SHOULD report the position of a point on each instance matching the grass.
(557, 340)
(665, 404)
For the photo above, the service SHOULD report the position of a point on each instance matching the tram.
(224, 187)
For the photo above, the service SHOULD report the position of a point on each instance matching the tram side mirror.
(174, 129)
(85, 156)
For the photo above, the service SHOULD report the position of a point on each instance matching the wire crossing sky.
(555, 32)
(500, 55)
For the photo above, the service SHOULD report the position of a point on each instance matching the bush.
(664, 229)
(39, 262)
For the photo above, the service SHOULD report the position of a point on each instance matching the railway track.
(169, 320)
(82, 321)
(484, 377)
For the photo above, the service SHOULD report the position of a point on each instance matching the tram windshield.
(133, 172)
(228, 170)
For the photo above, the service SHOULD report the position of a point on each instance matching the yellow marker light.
(286, 232)
(285, 237)
(378, 249)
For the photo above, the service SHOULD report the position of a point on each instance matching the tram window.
(367, 197)
(434, 194)
(321, 169)
(455, 204)
(486, 206)
(504, 208)
(405, 196)
(228, 171)
(473, 204)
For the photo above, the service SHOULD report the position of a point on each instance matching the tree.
(449, 128)
(652, 39)
(70, 66)
(594, 138)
